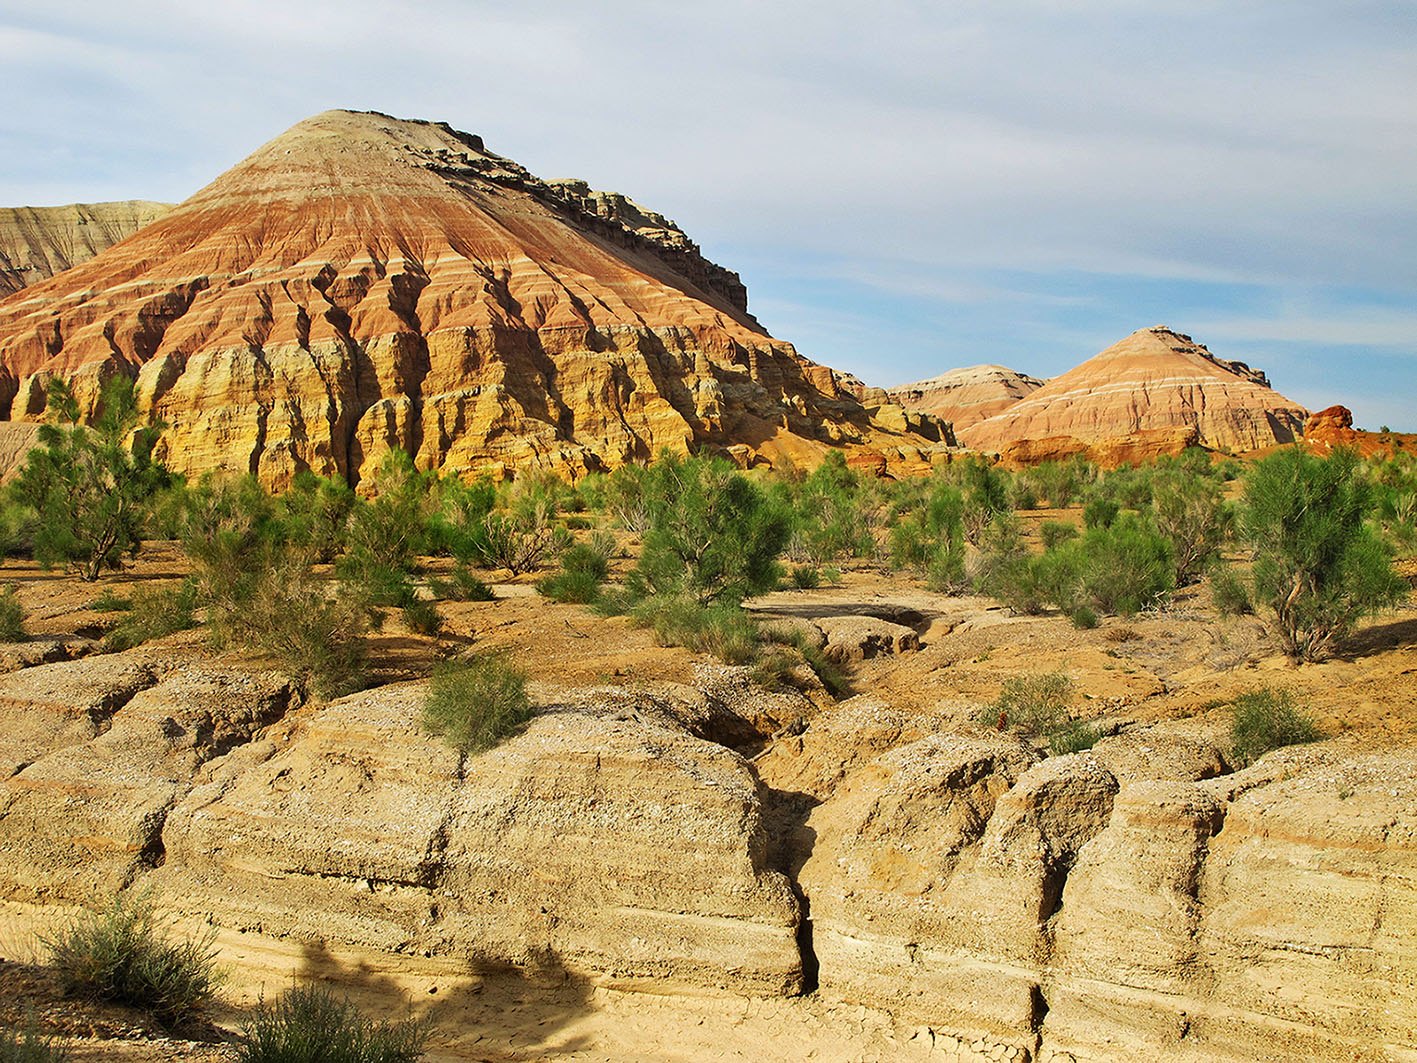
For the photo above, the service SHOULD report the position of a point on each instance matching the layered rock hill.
(363, 283)
(38, 242)
(966, 396)
(1157, 388)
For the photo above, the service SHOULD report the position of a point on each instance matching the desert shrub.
(386, 534)
(1228, 592)
(522, 537)
(155, 613)
(461, 585)
(12, 615)
(1100, 512)
(108, 602)
(281, 610)
(1267, 719)
(422, 617)
(775, 669)
(309, 1024)
(30, 1045)
(1128, 486)
(828, 513)
(583, 569)
(722, 629)
(1083, 617)
(457, 525)
(622, 495)
(17, 526)
(1075, 736)
(1023, 494)
(87, 485)
(984, 491)
(1003, 568)
(1056, 532)
(831, 575)
(315, 514)
(1062, 482)
(1319, 567)
(477, 702)
(1032, 705)
(1126, 567)
(930, 540)
(806, 577)
(713, 535)
(122, 955)
(1190, 512)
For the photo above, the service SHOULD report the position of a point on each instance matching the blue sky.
(905, 187)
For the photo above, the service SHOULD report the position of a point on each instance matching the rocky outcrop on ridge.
(38, 242)
(1154, 380)
(363, 283)
(966, 396)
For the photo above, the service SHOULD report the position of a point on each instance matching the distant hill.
(38, 242)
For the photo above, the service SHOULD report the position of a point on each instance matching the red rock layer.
(1154, 379)
(362, 283)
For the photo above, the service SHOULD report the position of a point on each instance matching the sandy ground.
(1180, 662)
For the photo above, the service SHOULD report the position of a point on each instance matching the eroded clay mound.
(362, 283)
(967, 396)
(38, 242)
(1154, 382)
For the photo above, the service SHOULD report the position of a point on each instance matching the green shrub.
(122, 955)
(1319, 567)
(1056, 532)
(462, 585)
(286, 614)
(723, 630)
(308, 1024)
(521, 538)
(1083, 617)
(1228, 592)
(87, 485)
(985, 495)
(584, 568)
(1075, 736)
(713, 535)
(1100, 512)
(1032, 704)
(931, 539)
(12, 615)
(806, 577)
(422, 617)
(30, 1045)
(153, 614)
(1125, 567)
(108, 602)
(1190, 513)
(831, 576)
(1267, 719)
(827, 513)
(477, 702)
(314, 514)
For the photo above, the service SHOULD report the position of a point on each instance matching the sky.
(904, 187)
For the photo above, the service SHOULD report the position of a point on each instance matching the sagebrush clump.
(1267, 719)
(309, 1024)
(477, 702)
(122, 955)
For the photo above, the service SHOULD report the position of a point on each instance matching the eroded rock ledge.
(1129, 902)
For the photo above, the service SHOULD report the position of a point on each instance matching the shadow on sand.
(485, 1011)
